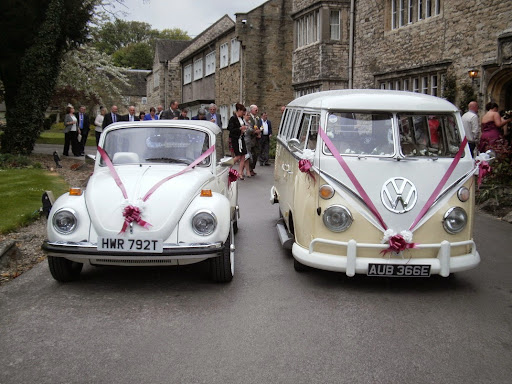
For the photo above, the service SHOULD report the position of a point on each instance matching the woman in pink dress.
(491, 124)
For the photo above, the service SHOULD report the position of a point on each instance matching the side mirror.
(294, 145)
(226, 162)
(90, 159)
(492, 155)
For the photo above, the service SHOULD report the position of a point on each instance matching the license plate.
(399, 270)
(116, 244)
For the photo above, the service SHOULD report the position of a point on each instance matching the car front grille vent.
(121, 261)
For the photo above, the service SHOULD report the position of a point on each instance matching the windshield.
(163, 145)
(361, 133)
(434, 135)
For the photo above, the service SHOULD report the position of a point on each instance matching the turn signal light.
(206, 193)
(75, 191)
(326, 192)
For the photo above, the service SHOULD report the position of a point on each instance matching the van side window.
(303, 131)
(283, 122)
(428, 135)
(313, 132)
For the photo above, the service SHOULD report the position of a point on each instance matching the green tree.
(135, 56)
(35, 36)
(132, 43)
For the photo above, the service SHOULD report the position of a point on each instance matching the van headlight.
(64, 221)
(454, 220)
(204, 223)
(337, 218)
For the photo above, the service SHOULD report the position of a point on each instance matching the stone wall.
(267, 45)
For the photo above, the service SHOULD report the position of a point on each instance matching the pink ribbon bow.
(397, 244)
(131, 214)
(233, 176)
(483, 170)
(305, 166)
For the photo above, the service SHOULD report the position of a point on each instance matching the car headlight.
(204, 223)
(454, 220)
(337, 218)
(64, 221)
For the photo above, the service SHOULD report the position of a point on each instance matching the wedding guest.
(71, 132)
(142, 115)
(84, 125)
(183, 114)
(236, 128)
(98, 123)
(471, 125)
(266, 133)
(151, 115)
(491, 124)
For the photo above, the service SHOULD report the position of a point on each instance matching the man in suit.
(111, 117)
(84, 124)
(266, 132)
(215, 118)
(131, 116)
(173, 113)
(254, 121)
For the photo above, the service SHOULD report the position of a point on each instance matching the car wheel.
(223, 266)
(299, 267)
(64, 270)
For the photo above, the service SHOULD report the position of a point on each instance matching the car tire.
(299, 267)
(64, 270)
(222, 267)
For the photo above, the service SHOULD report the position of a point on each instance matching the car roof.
(208, 125)
(374, 100)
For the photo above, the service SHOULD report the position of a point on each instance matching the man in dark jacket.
(82, 120)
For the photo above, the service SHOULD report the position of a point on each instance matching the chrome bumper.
(89, 251)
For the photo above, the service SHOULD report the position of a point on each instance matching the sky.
(192, 16)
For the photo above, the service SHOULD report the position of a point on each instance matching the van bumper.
(443, 264)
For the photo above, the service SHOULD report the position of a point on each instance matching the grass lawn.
(21, 191)
(55, 135)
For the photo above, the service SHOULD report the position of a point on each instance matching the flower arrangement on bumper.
(398, 242)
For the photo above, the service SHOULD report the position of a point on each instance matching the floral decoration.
(398, 242)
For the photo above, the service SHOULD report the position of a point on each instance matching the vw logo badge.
(399, 195)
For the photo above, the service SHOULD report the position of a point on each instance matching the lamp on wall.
(473, 74)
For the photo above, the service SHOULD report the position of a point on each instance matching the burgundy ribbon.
(131, 214)
(398, 244)
(305, 166)
(441, 184)
(483, 169)
(232, 176)
(351, 176)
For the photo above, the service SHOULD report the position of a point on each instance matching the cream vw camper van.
(375, 182)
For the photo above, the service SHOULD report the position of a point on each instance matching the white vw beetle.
(159, 195)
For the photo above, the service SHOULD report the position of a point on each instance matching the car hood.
(162, 210)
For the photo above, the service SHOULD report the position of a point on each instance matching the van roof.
(373, 100)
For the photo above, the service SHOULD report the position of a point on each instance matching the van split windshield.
(373, 134)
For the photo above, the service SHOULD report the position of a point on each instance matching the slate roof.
(166, 50)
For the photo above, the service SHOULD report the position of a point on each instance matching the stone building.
(427, 46)
(157, 82)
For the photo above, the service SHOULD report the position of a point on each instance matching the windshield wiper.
(169, 160)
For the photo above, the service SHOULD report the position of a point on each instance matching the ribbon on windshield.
(132, 213)
(351, 176)
(441, 184)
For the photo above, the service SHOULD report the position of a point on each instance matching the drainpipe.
(241, 73)
(166, 69)
(351, 48)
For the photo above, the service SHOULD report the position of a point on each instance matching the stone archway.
(499, 88)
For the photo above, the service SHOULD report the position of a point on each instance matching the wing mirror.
(90, 159)
(226, 161)
(294, 145)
